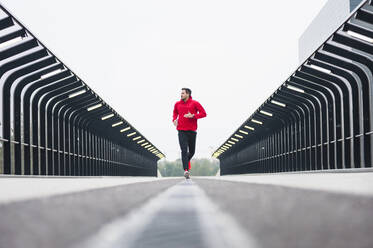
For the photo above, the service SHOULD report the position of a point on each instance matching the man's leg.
(191, 144)
(183, 141)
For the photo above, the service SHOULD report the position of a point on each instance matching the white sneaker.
(187, 174)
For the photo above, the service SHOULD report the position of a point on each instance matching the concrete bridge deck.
(282, 210)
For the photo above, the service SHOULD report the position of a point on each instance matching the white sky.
(137, 55)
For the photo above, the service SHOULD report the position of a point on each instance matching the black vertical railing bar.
(46, 117)
(327, 103)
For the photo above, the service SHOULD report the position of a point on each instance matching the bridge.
(297, 173)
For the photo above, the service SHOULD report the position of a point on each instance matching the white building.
(325, 23)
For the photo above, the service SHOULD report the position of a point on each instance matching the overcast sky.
(138, 54)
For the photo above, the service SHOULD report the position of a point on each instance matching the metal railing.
(320, 118)
(53, 123)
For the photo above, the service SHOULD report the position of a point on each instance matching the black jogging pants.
(187, 139)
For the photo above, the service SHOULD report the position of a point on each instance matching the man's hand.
(189, 115)
(175, 123)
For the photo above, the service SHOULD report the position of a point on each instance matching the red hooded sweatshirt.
(181, 108)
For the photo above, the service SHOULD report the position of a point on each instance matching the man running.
(186, 113)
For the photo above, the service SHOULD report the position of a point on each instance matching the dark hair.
(188, 91)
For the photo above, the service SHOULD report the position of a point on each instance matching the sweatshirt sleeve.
(176, 113)
(201, 111)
